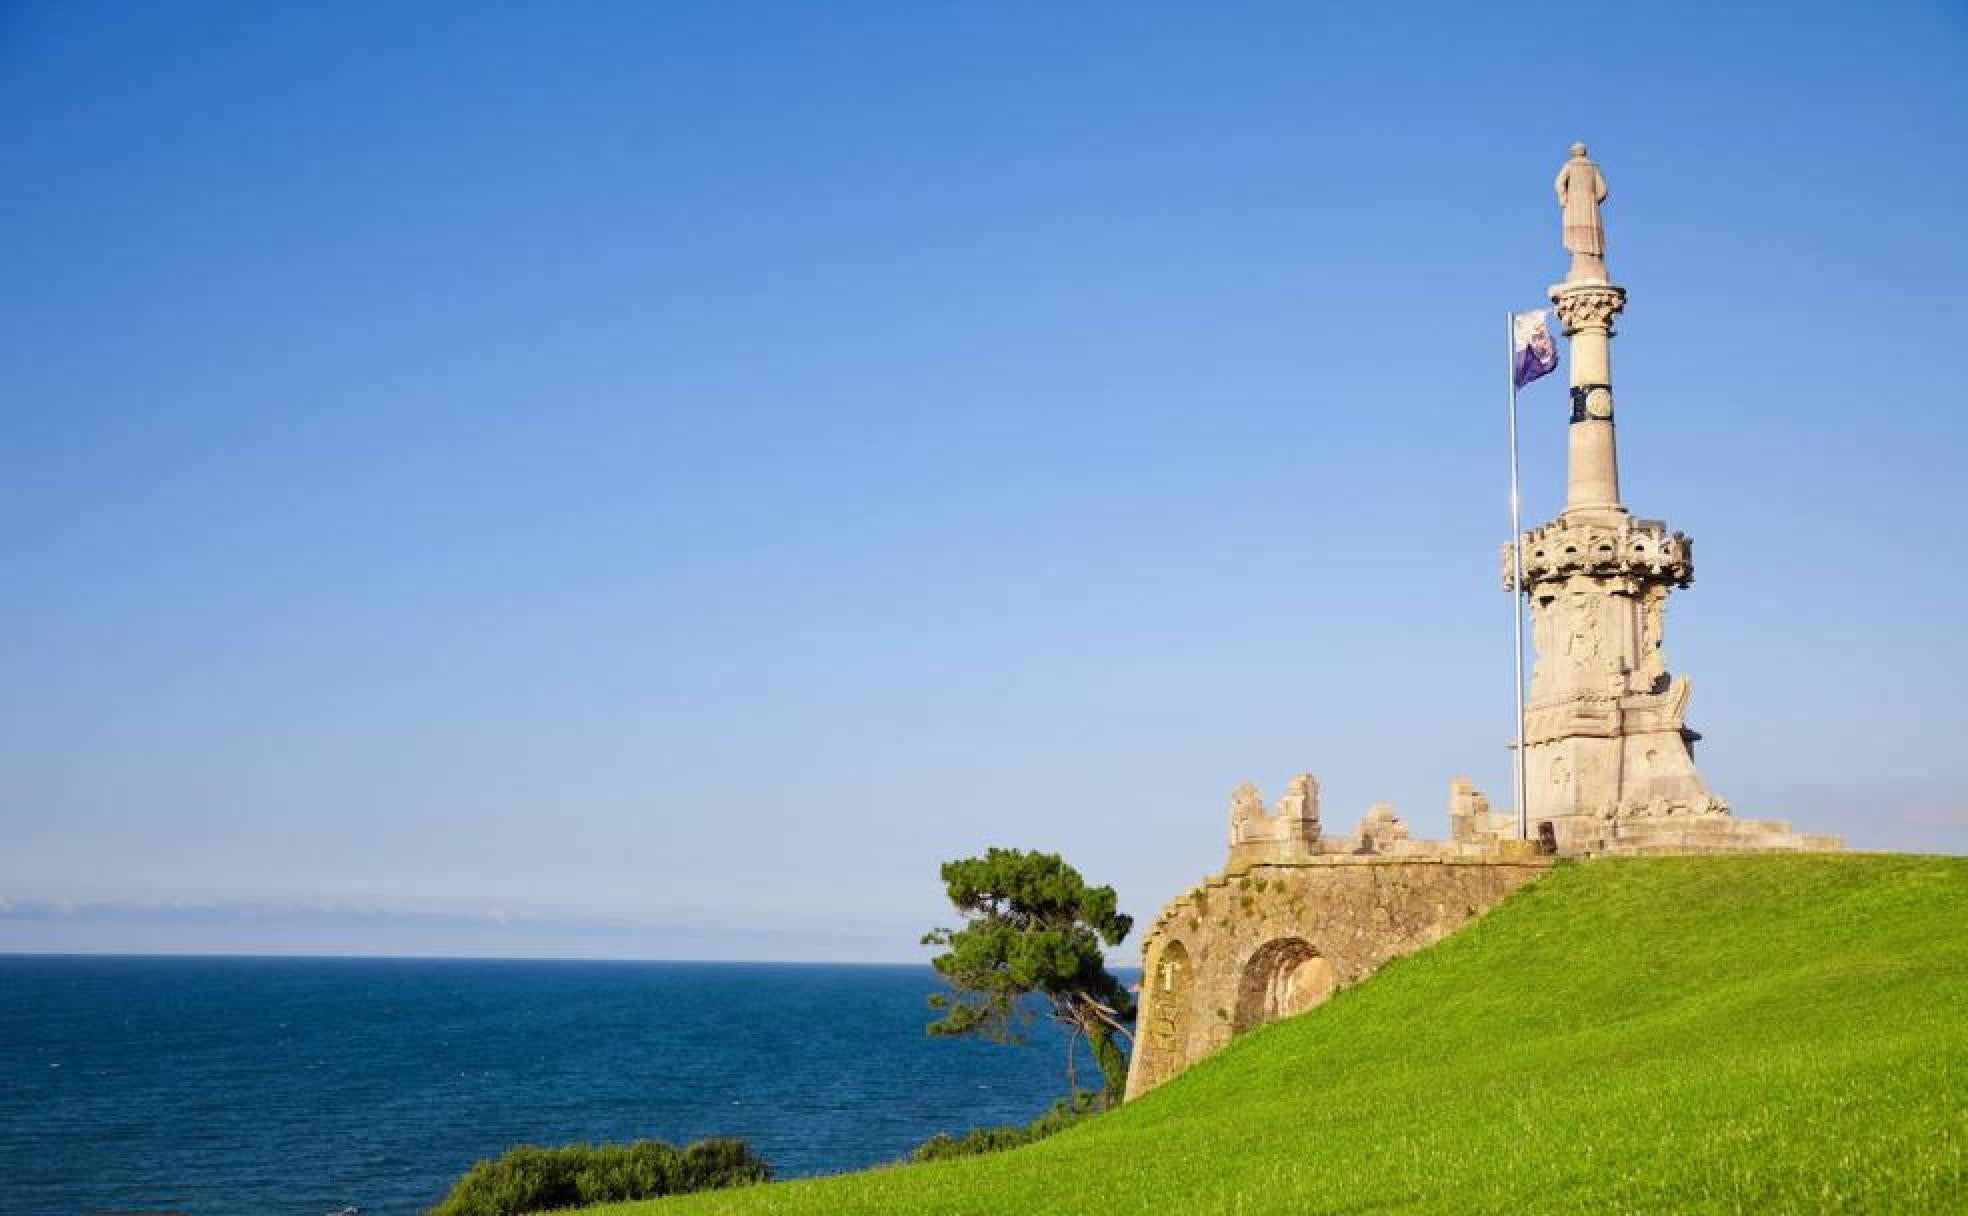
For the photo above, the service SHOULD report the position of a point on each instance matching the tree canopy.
(1034, 928)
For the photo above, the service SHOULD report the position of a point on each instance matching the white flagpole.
(1517, 574)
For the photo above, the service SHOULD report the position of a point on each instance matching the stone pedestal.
(1606, 733)
(1606, 729)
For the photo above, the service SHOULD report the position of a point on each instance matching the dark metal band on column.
(1580, 392)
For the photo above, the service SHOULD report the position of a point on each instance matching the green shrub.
(636, 1171)
(1064, 1114)
(533, 1179)
(711, 1164)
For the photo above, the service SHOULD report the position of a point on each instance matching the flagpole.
(1516, 573)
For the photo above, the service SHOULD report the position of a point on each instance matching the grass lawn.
(1704, 1034)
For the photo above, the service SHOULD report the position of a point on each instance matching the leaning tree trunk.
(1113, 1063)
(1072, 1073)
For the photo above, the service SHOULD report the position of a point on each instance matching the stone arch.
(1168, 989)
(1284, 977)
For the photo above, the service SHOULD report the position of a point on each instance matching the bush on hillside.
(1064, 1114)
(533, 1179)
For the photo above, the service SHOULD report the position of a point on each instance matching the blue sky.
(655, 480)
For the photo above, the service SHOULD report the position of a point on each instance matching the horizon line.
(243, 955)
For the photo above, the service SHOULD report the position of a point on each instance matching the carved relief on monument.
(1650, 672)
(1559, 776)
(1585, 635)
(1584, 639)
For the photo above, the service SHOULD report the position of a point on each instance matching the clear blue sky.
(657, 479)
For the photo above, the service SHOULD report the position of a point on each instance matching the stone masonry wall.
(1296, 913)
(1264, 940)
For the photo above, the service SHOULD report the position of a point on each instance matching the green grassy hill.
(1719, 1034)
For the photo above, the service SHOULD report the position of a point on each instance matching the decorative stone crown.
(1588, 305)
(1633, 548)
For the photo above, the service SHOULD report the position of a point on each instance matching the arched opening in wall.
(1167, 991)
(1284, 977)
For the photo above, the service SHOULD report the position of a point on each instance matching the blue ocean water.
(261, 1087)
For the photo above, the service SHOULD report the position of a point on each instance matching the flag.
(1532, 352)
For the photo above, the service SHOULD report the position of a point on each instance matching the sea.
(304, 1086)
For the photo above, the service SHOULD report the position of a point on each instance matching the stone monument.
(1296, 914)
(1607, 744)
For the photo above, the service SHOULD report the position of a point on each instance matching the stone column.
(1586, 310)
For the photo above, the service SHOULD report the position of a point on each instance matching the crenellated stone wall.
(1262, 941)
(1296, 915)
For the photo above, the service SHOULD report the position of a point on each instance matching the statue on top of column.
(1581, 188)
